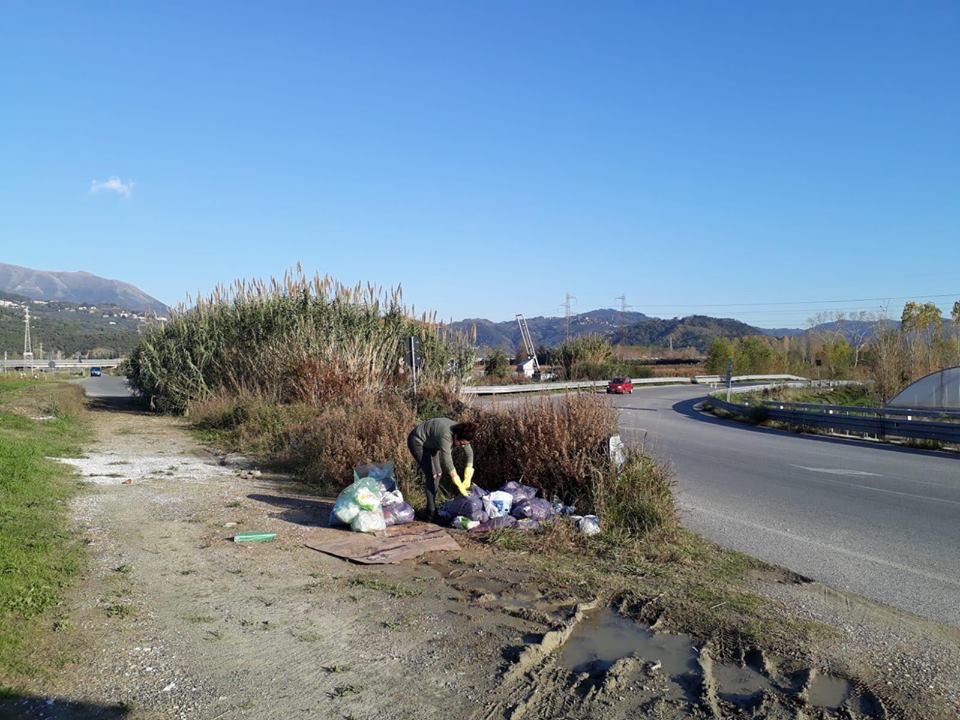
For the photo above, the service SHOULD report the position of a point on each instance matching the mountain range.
(81, 288)
(634, 328)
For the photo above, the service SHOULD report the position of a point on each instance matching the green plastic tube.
(254, 537)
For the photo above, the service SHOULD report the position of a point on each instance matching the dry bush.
(339, 437)
(317, 382)
(559, 445)
(555, 444)
(250, 424)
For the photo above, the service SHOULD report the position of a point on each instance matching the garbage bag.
(360, 495)
(369, 521)
(535, 508)
(528, 524)
(497, 504)
(462, 523)
(519, 492)
(377, 471)
(589, 525)
(382, 472)
(470, 506)
(397, 514)
(391, 497)
(344, 511)
(496, 523)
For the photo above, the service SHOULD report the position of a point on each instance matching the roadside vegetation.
(38, 554)
(860, 347)
(307, 374)
(848, 395)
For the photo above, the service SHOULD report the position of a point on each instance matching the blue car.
(95, 372)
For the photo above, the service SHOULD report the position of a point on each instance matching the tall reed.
(282, 340)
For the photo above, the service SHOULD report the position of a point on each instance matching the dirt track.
(176, 621)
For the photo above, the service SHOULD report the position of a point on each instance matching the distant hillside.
(782, 332)
(547, 331)
(696, 331)
(69, 328)
(75, 287)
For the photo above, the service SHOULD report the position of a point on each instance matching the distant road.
(879, 520)
(106, 386)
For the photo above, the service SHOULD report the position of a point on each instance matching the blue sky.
(490, 157)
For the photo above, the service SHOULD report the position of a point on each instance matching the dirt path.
(176, 621)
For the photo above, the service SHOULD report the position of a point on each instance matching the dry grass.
(559, 445)
(555, 444)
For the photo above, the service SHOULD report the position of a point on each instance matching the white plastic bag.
(367, 499)
(359, 496)
(369, 521)
(498, 503)
(589, 525)
(391, 498)
(345, 510)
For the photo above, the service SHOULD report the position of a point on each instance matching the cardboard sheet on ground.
(401, 542)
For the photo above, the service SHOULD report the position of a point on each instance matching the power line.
(804, 302)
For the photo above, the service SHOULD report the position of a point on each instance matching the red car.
(620, 385)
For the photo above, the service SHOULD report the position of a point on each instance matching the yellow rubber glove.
(467, 476)
(459, 485)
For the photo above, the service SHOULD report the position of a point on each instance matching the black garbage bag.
(398, 514)
(495, 524)
(519, 492)
(535, 509)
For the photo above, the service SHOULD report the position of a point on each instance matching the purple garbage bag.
(398, 514)
(470, 507)
(535, 508)
(519, 492)
(495, 524)
(528, 524)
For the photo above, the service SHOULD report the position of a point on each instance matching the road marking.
(834, 548)
(884, 490)
(837, 471)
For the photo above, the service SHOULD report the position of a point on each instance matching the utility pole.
(27, 342)
(623, 303)
(566, 315)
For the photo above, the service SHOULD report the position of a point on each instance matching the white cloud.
(114, 184)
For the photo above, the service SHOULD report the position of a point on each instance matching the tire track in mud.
(537, 685)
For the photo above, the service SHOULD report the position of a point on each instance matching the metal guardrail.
(706, 379)
(38, 364)
(878, 422)
(587, 384)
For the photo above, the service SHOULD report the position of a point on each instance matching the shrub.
(339, 437)
(438, 400)
(637, 499)
(559, 445)
(555, 444)
(497, 364)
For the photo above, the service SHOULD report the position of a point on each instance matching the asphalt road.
(877, 520)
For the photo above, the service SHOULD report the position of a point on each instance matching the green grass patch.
(38, 553)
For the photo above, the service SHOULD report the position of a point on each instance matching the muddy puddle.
(828, 692)
(604, 637)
